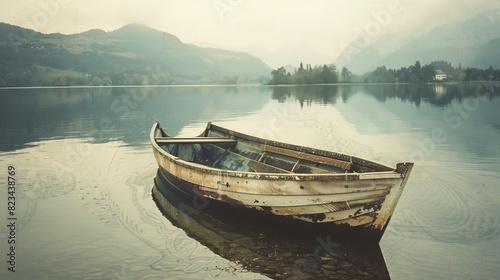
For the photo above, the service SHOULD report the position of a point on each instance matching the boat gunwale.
(391, 173)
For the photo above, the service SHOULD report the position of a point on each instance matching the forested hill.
(132, 55)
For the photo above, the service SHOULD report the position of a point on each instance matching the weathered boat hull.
(262, 244)
(355, 200)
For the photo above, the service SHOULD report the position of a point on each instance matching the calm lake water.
(85, 170)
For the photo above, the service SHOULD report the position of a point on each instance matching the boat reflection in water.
(265, 245)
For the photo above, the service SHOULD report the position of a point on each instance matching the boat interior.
(218, 151)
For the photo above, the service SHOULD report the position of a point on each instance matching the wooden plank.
(260, 167)
(194, 140)
(345, 165)
(295, 165)
(255, 152)
(251, 164)
(312, 169)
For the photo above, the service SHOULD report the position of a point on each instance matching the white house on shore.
(439, 75)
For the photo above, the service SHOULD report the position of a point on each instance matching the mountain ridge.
(132, 54)
(459, 42)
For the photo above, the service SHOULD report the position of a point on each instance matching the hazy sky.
(280, 32)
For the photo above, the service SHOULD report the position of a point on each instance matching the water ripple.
(450, 207)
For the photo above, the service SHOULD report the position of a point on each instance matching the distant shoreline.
(256, 85)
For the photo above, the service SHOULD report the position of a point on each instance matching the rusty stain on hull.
(303, 183)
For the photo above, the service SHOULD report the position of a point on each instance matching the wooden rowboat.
(306, 184)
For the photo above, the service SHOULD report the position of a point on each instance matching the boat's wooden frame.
(307, 184)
